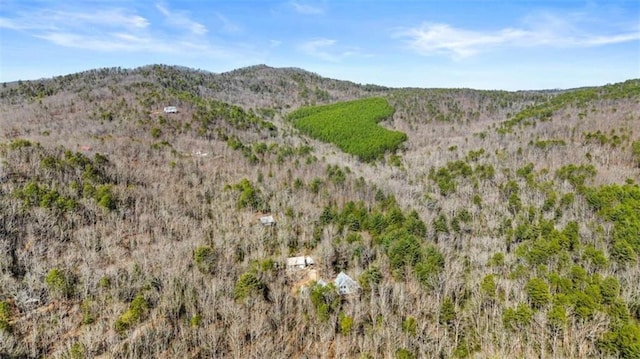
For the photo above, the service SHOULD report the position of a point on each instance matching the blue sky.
(511, 45)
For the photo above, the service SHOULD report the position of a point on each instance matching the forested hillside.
(497, 224)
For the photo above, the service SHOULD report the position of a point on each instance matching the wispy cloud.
(306, 9)
(107, 17)
(436, 38)
(227, 25)
(326, 49)
(320, 48)
(117, 29)
(181, 19)
(107, 42)
(6, 23)
(48, 19)
(550, 31)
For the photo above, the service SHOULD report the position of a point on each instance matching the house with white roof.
(301, 262)
(267, 220)
(345, 284)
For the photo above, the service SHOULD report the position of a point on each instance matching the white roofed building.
(302, 262)
(345, 284)
(267, 221)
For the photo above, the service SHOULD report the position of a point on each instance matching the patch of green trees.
(446, 177)
(65, 177)
(619, 204)
(579, 98)
(400, 235)
(352, 126)
(566, 283)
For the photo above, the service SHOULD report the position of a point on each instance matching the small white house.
(302, 262)
(170, 109)
(345, 284)
(267, 220)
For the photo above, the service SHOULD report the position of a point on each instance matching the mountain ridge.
(265, 67)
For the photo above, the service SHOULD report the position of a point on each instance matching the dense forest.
(472, 223)
(352, 126)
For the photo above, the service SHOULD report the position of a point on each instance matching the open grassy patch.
(352, 126)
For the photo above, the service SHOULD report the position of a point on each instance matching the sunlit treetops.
(352, 126)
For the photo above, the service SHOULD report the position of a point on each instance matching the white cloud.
(180, 19)
(126, 42)
(228, 26)
(107, 17)
(441, 38)
(613, 39)
(56, 19)
(115, 29)
(11, 24)
(108, 42)
(314, 45)
(320, 48)
(306, 9)
(327, 50)
(551, 31)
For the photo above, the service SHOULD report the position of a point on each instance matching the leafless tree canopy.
(508, 225)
